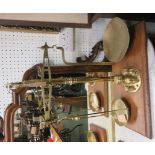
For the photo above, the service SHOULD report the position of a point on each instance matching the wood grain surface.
(139, 102)
(100, 132)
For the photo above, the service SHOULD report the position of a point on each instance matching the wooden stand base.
(139, 101)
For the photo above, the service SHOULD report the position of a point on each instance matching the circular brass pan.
(94, 102)
(116, 40)
(91, 137)
(120, 112)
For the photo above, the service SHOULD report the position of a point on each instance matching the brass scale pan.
(116, 40)
(115, 43)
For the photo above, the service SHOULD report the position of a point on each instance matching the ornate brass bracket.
(130, 78)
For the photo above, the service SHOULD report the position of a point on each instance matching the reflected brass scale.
(129, 77)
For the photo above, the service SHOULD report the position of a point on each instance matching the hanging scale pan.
(116, 40)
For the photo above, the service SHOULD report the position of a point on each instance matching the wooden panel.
(46, 19)
(140, 101)
(100, 132)
(71, 69)
(80, 69)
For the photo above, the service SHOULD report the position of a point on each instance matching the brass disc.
(91, 137)
(94, 102)
(120, 112)
(116, 40)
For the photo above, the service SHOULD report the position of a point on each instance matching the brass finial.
(45, 46)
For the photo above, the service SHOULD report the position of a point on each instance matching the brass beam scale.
(129, 78)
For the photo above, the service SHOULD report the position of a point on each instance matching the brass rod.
(70, 80)
(84, 110)
(77, 64)
(109, 111)
(73, 117)
(112, 122)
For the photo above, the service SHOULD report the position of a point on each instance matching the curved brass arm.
(76, 64)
